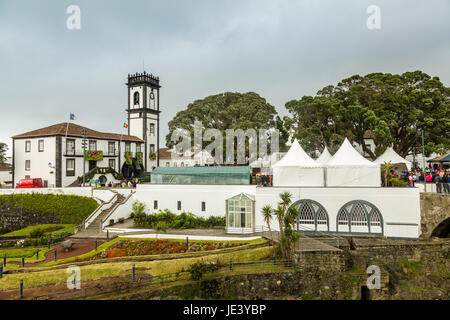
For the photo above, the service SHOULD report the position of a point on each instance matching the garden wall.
(414, 271)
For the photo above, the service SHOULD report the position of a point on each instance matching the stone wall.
(408, 271)
(434, 209)
(16, 218)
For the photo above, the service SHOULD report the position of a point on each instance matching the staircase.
(96, 225)
(94, 229)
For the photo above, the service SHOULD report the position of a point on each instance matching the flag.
(73, 116)
(125, 125)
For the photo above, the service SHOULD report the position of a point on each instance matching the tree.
(267, 216)
(395, 108)
(3, 149)
(229, 110)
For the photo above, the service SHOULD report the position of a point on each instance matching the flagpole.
(67, 127)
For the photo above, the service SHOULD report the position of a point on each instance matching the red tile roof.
(74, 130)
(164, 153)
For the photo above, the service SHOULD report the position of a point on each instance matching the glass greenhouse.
(201, 175)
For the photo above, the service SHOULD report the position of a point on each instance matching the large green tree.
(3, 149)
(229, 110)
(396, 108)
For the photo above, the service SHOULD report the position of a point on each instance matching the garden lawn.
(110, 243)
(26, 231)
(156, 267)
(28, 253)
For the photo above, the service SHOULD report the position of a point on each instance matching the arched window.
(359, 216)
(136, 98)
(312, 216)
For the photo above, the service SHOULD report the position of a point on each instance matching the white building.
(49, 154)
(56, 154)
(169, 158)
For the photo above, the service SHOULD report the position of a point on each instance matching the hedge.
(69, 209)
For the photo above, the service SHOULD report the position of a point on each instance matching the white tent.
(324, 157)
(393, 157)
(348, 168)
(296, 168)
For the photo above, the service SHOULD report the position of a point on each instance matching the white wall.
(6, 176)
(399, 207)
(396, 205)
(191, 197)
(84, 192)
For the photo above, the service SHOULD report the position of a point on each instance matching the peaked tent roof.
(324, 157)
(297, 157)
(391, 156)
(347, 156)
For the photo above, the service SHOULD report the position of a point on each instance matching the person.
(445, 182)
(437, 180)
(414, 178)
(130, 185)
(410, 180)
(124, 184)
(110, 184)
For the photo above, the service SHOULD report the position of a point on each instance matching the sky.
(282, 50)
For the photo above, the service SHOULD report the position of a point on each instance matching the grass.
(156, 267)
(26, 231)
(111, 242)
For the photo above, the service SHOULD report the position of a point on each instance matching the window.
(127, 147)
(312, 216)
(179, 205)
(41, 145)
(92, 145)
(360, 216)
(27, 165)
(155, 204)
(152, 148)
(70, 147)
(27, 146)
(152, 129)
(70, 167)
(203, 206)
(167, 164)
(138, 147)
(136, 98)
(112, 163)
(240, 211)
(182, 164)
(111, 147)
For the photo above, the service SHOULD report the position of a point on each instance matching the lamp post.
(84, 144)
(423, 159)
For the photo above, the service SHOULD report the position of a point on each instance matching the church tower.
(143, 114)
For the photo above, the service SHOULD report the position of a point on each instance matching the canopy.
(324, 157)
(297, 157)
(296, 168)
(393, 157)
(349, 168)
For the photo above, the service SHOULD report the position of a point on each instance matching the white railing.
(104, 206)
(118, 214)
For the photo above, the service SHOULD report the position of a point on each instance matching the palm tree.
(267, 215)
(286, 199)
(292, 215)
(387, 166)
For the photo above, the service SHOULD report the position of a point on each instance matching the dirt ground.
(61, 292)
(79, 247)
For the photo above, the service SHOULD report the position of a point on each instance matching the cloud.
(280, 49)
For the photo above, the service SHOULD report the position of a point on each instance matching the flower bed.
(153, 247)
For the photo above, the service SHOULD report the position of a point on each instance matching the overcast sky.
(279, 49)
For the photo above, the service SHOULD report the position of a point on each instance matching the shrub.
(161, 226)
(69, 209)
(37, 233)
(185, 220)
(198, 269)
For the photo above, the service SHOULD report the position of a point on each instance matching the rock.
(67, 245)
